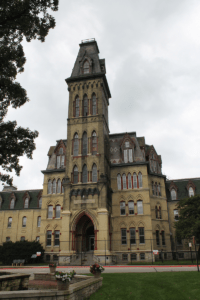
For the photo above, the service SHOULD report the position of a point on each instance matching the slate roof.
(19, 204)
(182, 187)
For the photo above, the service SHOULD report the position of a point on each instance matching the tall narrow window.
(123, 236)
(12, 204)
(163, 237)
(94, 173)
(63, 190)
(129, 181)
(24, 222)
(176, 217)
(49, 191)
(57, 238)
(139, 207)
(122, 208)
(76, 144)
(85, 174)
(130, 155)
(61, 151)
(50, 212)
(58, 209)
(85, 144)
(86, 67)
(124, 181)
(134, 180)
(58, 161)
(49, 234)
(62, 161)
(157, 238)
(173, 194)
(140, 179)
(94, 143)
(125, 155)
(38, 221)
(191, 192)
(7, 239)
(9, 222)
(119, 185)
(132, 236)
(85, 106)
(141, 235)
(156, 189)
(26, 203)
(131, 207)
(160, 213)
(40, 202)
(94, 105)
(77, 107)
(59, 186)
(153, 192)
(75, 175)
(159, 190)
(54, 186)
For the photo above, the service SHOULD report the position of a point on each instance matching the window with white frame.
(142, 256)
(129, 181)
(38, 221)
(125, 257)
(49, 234)
(125, 155)
(140, 179)
(191, 192)
(128, 152)
(85, 174)
(124, 181)
(54, 186)
(57, 238)
(119, 186)
(173, 194)
(94, 173)
(12, 203)
(132, 236)
(9, 222)
(131, 207)
(49, 191)
(176, 216)
(75, 174)
(140, 207)
(135, 180)
(59, 186)
(141, 235)
(24, 222)
(133, 256)
(76, 144)
(159, 190)
(58, 210)
(123, 236)
(122, 208)
(62, 161)
(85, 144)
(26, 203)
(50, 212)
(58, 161)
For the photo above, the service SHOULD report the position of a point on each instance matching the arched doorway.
(84, 235)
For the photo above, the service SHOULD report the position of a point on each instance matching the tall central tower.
(87, 197)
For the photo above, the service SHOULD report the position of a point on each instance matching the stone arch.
(131, 224)
(130, 197)
(139, 197)
(121, 225)
(140, 224)
(78, 216)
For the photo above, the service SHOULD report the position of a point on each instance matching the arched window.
(50, 212)
(122, 208)
(124, 181)
(140, 179)
(49, 191)
(9, 222)
(140, 207)
(85, 174)
(24, 222)
(63, 187)
(54, 186)
(94, 105)
(94, 173)
(131, 207)
(159, 190)
(173, 194)
(157, 238)
(77, 108)
(40, 202)
(153, 192)
(12, 203)
(119, 185)
(76, 144)
(156, 211)
(59, 186)
(94, 143)
(75, 174)
(85, 106)
(85, 144)
(191, 192)
(129, 181)
(58, 161)
(135, 180)
(86, 67)
(26, 203)
(39, 221)
(58, 209)
(61, 151)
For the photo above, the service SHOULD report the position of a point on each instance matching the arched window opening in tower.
(86, 67)
(76, 144)
(85, 144)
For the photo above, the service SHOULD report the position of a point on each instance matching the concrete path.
(108, 269)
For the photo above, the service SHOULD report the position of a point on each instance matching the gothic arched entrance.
(84, 235)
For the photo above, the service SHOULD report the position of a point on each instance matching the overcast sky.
(152, 52)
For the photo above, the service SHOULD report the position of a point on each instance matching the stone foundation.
(13, 282)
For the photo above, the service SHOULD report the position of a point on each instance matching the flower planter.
(52, 269)
(97, 274)
(62, 285)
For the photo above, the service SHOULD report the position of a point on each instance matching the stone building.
(103, 193)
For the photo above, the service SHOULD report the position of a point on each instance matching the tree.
(189, 218)
(19, 19)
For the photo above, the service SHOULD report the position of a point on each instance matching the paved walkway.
(108, 269)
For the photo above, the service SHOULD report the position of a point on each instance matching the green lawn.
(150, 286)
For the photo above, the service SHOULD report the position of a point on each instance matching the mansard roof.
(182, 187)
(19, 196)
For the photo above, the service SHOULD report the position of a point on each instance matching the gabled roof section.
(141, 141)
(182, 187)
(51, 150)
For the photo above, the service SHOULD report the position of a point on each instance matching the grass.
(165, 262)
(150, 286)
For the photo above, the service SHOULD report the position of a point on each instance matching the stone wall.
(14, 282)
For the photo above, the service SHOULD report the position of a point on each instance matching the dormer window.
(26, 203)
(128, 152)
(60, 159)
(12, 204)
(86, 67)
(173, 194)
(191, 192)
